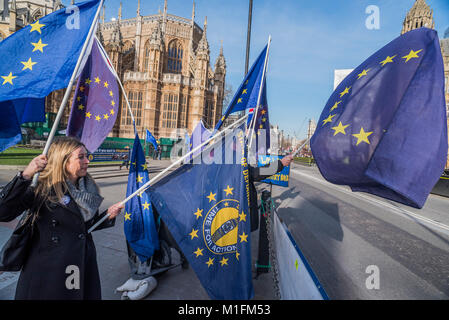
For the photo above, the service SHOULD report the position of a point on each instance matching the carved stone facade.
(164, 63)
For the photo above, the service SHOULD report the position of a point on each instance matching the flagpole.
(301, 147)
(68, 90)
(159, 176)
(253, 120)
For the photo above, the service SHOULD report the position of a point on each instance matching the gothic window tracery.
(175, 54)
(170, 111)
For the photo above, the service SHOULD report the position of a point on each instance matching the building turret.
(420, 15)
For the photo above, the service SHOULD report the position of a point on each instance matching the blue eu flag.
(247, 94)
(150, 138)
(37, 60)
(95, 103)
(140, 227)
(262, 123)
(384, 130)
(205, 207)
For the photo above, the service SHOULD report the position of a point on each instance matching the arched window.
(175, 53)
(170, 111)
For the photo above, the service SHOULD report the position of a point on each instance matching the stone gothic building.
(164, 63)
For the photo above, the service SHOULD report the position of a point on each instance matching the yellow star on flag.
(411, 55)
(36, 27)
(237, 255)
(88, 81)
(111, 93)
(211, 196)
(224, 261)
(239, 100)
(88, 114)
(127, 216)
(228, 190)
(106, 116)
(8, 79)
(28, 64)
(80, 107)
(362, 136)
(340, 128)
(346, 91)
(198, 213)
(97, 80)
(210, 262)
(146, 205)
(363, 73)
(242, 217)
(198, 252)
(144, 166)
(98, 118)
(112, 112)
(245, 91)
(243, 237)
(113, 103)
(139, 178)
(335, 105)
(106, 84)
(388, 59)
(39, 46)
(193, 234)
(328, 119)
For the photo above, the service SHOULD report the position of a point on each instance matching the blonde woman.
(62, 261)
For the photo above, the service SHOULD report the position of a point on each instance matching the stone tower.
(420, 15)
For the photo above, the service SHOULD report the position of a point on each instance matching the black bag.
(15, 251)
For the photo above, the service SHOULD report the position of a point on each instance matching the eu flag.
(384, 130)
(205, 207)
(247, 94)
(150, 138)
(37, 60)
(96, 100)
(140, 227)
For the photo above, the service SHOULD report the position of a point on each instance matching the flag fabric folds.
(384, 129)
(151, 139)
(248, 92)
(96, 100)
(206, 210)
(139, 223)
(262, 124)
(37, 60)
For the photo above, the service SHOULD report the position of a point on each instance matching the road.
(350, 237)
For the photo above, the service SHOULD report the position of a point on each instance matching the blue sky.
(309, 40)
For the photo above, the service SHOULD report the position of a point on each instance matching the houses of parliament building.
(163, 62)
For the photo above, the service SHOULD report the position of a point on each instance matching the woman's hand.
(36, 165)
(287, 160)
(115, 210)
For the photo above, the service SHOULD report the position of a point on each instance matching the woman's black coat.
(60, 247)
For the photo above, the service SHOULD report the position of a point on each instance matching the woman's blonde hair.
(52, 181)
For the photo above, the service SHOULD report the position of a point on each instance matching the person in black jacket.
(62, 262)
(258, 174)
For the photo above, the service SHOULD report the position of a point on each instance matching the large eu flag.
(206, 210)
(247, 94)
(37, 60)
(140, 227)
(96, 100)
(384, 129)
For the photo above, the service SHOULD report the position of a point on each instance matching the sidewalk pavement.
(175, 284)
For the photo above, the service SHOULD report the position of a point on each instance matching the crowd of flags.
(385, 121)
